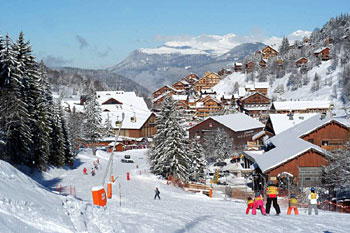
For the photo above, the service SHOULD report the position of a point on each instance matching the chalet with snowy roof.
(323, 53)
(191, 78)
(165, 89)
(181, 101)
(238, 67)
(262, 63)
(268, 52)
(301, 61)
(256, 105)
(240, 126)
(208, 81)
(181, 85)
(300, 106)
(227, 100)
(207, 106)
(261, 87)
(292, 151)
(277, 123)
(249, 66)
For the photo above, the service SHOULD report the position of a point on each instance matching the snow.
(300, 105)
(27, 206)
(238, 122)
(281, 122)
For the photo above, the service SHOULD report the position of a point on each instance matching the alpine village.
(272, 127)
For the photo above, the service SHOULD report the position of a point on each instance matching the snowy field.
(26, 206)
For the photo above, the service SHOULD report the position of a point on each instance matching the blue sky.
(99, 34)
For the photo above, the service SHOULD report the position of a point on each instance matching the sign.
(273, 178)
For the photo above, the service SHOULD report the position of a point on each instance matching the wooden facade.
(301, 62)
(207, 106)
(249, 66)
(162, 90)
(210, 126)
(256, 105)
(324, 53)
(180, 85)
(330, 136)
(207, 82)
(148, 129)
(191, 78)
(268, 52)
(262, 63)
(308, 159)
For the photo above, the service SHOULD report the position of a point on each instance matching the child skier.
(293, 204)
(313, 198)
(272, 192)
(258, 204)
(250, 205)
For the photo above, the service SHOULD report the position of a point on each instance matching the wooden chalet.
(301, 61)
(299, 152)
(240, 126)
(164, 89)
(181, 101)
(268, 52)
(323, 53)
(207, 106)
(261, 87)
(181, 85)
(256, 105)
(249, 66)
(208, 81)
(191, 78)
(262, 63)
(300, 106)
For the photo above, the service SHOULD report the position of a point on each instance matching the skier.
(293, 204)
(85, 171)
(250, 205)
(258, 204)
(93, 172)
(313, 198)
(272, 192)
(157, 194)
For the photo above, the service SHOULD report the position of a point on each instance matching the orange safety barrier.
(109, 190)
(99, 196)
(210, 192)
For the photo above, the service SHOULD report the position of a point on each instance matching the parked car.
(127, 160)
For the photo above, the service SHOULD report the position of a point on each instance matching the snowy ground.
(26, 206)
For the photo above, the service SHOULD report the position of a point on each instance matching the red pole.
(127, 176)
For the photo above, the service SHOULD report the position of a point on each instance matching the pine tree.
(57, 146)
(75, 128)
(198, 164)
(169, 156)
(92, 124)
(108, 128)
(68, 155)
(284, 48)
(14, 110)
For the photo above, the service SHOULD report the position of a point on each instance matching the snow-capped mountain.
(155, 67)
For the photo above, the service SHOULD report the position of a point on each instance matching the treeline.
(33, 131)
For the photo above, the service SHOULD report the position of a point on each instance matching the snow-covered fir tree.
(74, 119)
(284, 48)
(169, 155)
(107, 127)
(13, 107)
(218, 145)
(337, 173)
(93, 120)
(198, 163)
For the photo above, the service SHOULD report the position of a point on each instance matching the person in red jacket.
(250, 205)
(85, 171)
(272, 192)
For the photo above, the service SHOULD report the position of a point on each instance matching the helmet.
(257, 194)
(270, 182)
(292, 196)
(312, 189)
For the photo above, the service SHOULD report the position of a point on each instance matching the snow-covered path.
(177, 211)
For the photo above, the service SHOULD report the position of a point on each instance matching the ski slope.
(27, 206)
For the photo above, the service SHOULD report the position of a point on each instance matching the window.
(325, 143)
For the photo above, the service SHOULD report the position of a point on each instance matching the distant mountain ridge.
(154, 70)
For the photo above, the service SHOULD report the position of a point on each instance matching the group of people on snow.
(95, 166)
(272, 193)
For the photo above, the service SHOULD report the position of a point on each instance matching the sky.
(99, 34)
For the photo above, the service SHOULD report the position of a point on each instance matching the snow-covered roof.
(320, 49)
(241, 91)
(141, 118)
(160, 96)
(238, 122)
(129, 100)
(238, 64)
(184, 82)
(253, 86)
(258, 135)
(289, 145)
(300, 105)
(179, 97)
(281, 122)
